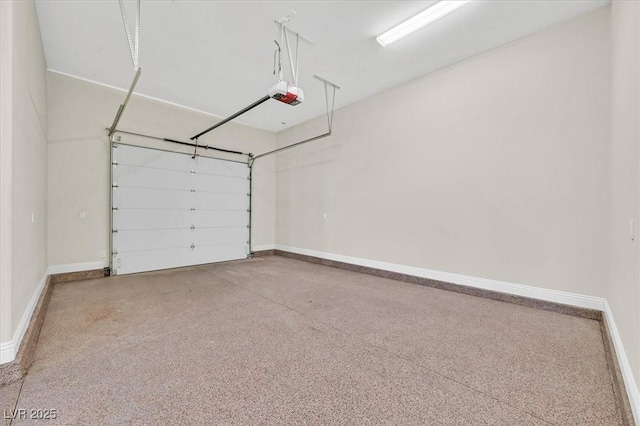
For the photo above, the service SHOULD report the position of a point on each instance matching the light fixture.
(422, 19)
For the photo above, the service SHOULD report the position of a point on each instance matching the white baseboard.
(8, 350)
(7, 353)
(629, 381)
(548, 295)
(264, 247)
(76, 267)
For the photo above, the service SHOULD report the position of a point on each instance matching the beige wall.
(624, 280)
(494, 167)
(6, 68)
(24, 163)
(78, 175)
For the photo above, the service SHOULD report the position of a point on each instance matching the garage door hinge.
(193, 246)
(114, 186)
(193, 172)
(114, 253)
(193, 227)
(115, 163)
(249, 210)
(193, 210)
(193, 190)
(115, 145)
(115, 231)
(114, 208)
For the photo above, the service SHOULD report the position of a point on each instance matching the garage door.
(170, 210)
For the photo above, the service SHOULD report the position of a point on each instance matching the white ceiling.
(217, 56)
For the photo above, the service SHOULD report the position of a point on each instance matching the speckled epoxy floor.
(281, 341)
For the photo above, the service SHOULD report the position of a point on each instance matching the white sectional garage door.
(171, 210)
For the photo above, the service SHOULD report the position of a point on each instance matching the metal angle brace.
(335, 87)
(113, 127)
(264, 154)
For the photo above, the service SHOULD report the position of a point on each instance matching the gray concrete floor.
(281, 341)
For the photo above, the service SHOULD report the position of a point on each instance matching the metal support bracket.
(113, 127)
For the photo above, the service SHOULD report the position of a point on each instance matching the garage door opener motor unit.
(287, 93)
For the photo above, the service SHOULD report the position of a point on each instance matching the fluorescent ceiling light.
(422, 19)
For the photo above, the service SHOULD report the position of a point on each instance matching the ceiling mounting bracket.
(285, 31)
(113, 127)
(330, 98)
(285, 20)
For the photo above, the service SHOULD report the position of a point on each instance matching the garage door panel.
(143, 198)
(152, 261)
(211, 200)
(141, 219)
(142, 261)
(128, 219)
(206, 219)
(175, 258)
(143, 157)
(211, 183)
(151, 239)
(220, 236)
(141, 177)
(222, 253)
(221, 168)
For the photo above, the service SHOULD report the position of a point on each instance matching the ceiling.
(217, 56)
